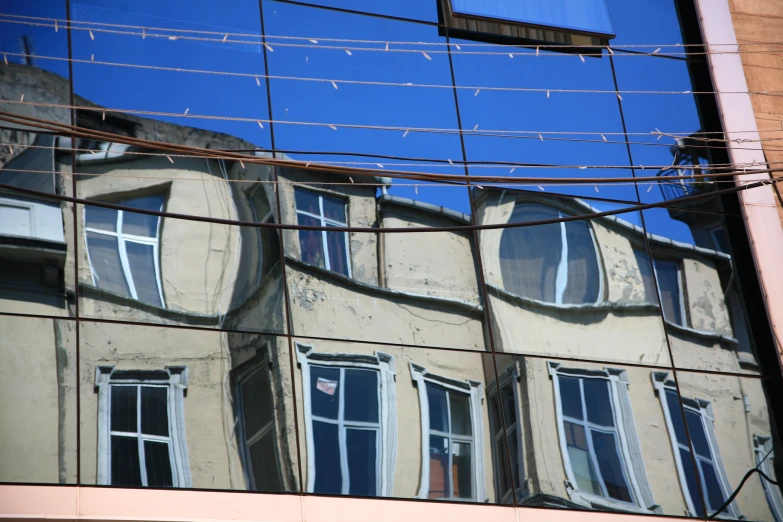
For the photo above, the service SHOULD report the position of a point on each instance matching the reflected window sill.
(594, 502)
(587, 307)
(702, 334)
(89, 291)
(463, 306)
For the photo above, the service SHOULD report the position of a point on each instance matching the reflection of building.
(226, 405)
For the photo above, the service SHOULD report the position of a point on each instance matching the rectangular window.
(328, 250)
(508, 413)
(582, 16)
(708, 474)
(257, 431)
(452, 465)
(451, 443)
(669, 278)
(123, 249)
(598, 439)
(141, 453)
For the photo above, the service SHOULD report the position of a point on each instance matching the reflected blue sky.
(308, 101)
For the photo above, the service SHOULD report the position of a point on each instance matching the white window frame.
(324, 222)
(561, 277)
(510, 378)
(475, 391)
(661, 383)
(628, 442)
(764, 452)
(241, 375)
(680, 289)
(106, 150)
(387, 414)
(175, 379)
(122, 238)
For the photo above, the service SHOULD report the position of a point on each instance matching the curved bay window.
(554, 263)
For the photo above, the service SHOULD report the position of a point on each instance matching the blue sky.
(307, 101)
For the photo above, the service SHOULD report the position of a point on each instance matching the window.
(256, 427)
(667, 273)
(555, 263)
(584, 16)
(452, 437)
(765, 460)
(328, 250)
(598, 439)
(507, 397)
(708, 473)
(141, 431)
(350, 422)
(720, 239)
(123, 249)
(31, 219)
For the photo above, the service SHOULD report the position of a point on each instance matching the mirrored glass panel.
(36, 236)
(728, 423)
(387, 421)
(147, 268)
(184, 408)
(425, 11)
(383, 287)
(704, 310)
(571, 288)
(34, 75)
(339, 88)
(652, 23)
(38, 400)
(169, 71)
(538, 113)
(586, 435)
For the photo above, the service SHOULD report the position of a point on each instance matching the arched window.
(555, 263)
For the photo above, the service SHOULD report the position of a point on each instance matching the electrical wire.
(526, 134)
(384, 45)
(742, 483)
(422, 176)
(335, 82)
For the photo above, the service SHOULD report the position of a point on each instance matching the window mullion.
(561, 278)
(342, 435)
(589, 440)
(140, 439)
(322, 219)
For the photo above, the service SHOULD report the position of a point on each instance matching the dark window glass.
(256, 402)
(581, 462)
(599, 406)
(337, 243)
(676, 416)
(325, 392)
(606, 451)
(571, 397)
(361, 396)
(502, 462)
(100, 218)
(436, 397)
(105, 263)
(123, 408)
(667, 273)
(141, 260)
(307, 201)
(362, 461)
(583, 283)
(690, 480)
(461, 458)
(266, 474)
(141, 224)
(334, 209)
(509, 405)
(311, 241)
(440, 475)
(154, 411)
(714, 492)
(529, 256)
(125, 469)
(328, 475)
(157, 464)
(698, 437)
(460, 414)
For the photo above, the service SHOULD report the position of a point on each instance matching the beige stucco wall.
(706, 304)
(38, 410)
(438, 263)
(325, 307)
(452, 364)
(213, 457)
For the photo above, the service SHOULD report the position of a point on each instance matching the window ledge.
(168, 315)
(701, 334)
(588, 307)
(593, 502)
(463, 306)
